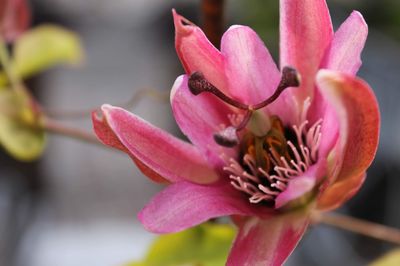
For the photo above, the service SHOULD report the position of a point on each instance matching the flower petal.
(334, 197)
(182, 205)
(358, 113)
(343, 55)
(158, 152)
(197, 53)
(305, 33)
(250, 70)
(347, 45)
(268, 242)
(301, 185)
(199, 117)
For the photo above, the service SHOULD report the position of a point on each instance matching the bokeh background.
(77, 205)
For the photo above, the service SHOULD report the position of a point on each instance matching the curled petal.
(183, 205)
(268, 242)
(199, 117)
(347, 45)
(301, 185)
(157, 153)
(357, 110)
(197, 53)
(333, 197)
(305, 33)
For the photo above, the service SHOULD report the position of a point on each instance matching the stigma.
(227, 137)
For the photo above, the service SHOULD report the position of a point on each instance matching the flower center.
(266, 164)
(270, 154)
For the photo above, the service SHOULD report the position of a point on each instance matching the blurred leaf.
(389, 259)
(20, 133)
(205, 245)
(43, 47)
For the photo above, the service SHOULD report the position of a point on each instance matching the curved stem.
(359, 226)
(81, 114)
(56, 127)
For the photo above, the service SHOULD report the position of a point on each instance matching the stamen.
(251, 163)
(267, 190)
(227, 137)
(304, 111)
(265, 184)
(235, 119)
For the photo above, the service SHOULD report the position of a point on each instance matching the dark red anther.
(227, 137)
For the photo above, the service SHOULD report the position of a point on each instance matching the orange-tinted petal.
(358, 114)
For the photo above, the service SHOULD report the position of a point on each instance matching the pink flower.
(265, 161)
(14, 18)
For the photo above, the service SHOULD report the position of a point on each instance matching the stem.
(54, 126)
(213, 20)
(136, 98)
(359, 226)
(8, 69)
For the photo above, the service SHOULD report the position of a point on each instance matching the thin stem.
(213, 20)
(80, 114)
(5, 62)
(56, 127)
(359, 226)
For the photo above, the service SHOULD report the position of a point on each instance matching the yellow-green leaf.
(204, 245)
(20, 132)
(43, 47)
(389, 259)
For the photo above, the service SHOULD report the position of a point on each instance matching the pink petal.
(14, 18)
(320, 109)
(197, 53)
(347, 45)
(305, 33)
(302, 184)
(182, 205)
(250, 70)
(199, 117)
(268, 242)
(157, 151)
(108, 137)
(358, 113)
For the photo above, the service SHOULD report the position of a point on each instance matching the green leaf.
(204, 245)
(389, 259)
(20, 131)
(43, 47)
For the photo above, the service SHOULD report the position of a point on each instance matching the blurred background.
(77, 205)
